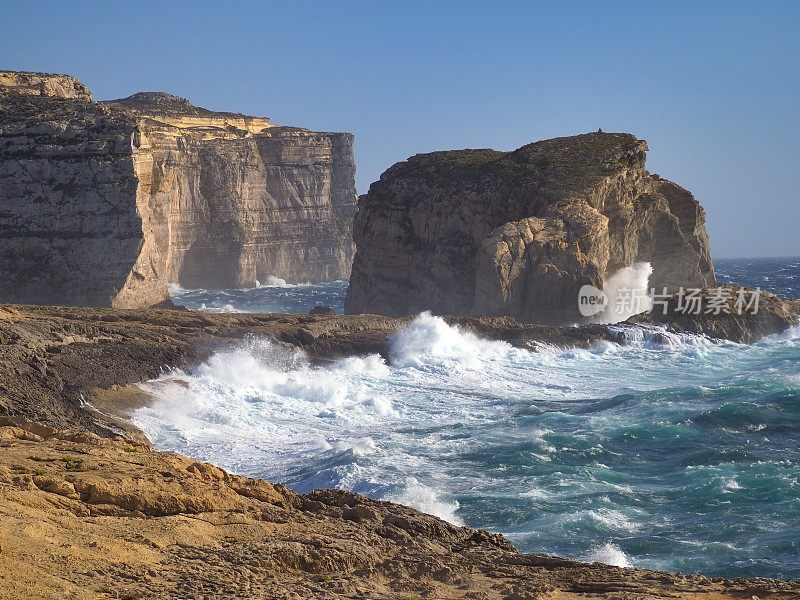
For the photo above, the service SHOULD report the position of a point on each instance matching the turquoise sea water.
(681, 454)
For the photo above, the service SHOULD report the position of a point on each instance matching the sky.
(714, 87)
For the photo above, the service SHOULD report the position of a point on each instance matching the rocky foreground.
(89, 510)
(86, 517)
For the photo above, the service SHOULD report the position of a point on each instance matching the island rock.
(519, 233)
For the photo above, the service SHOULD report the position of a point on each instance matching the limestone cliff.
(518, 233)
(105, 203)
(44, 84)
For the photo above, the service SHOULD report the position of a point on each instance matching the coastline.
(85, 517)
(107, 498)
(54, 358)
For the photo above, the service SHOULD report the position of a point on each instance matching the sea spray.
(609, 554)
(427, 499)
(627, 293)
(429, 342)
(663, 452)
(271, 281)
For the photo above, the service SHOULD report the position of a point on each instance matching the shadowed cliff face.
(107, 203)
(518, 233)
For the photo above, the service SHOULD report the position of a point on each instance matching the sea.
(669, 452)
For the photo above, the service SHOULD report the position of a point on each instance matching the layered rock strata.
(107, 203)
(519, 233)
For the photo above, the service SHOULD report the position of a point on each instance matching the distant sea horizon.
(779, 275)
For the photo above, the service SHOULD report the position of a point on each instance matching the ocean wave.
(428, 342)
(564, 450)
(659, 337)
(789, 335)
(609, 554)
(427, 499)
(603, 518)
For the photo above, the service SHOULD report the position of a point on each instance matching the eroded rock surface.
(87, 517)
(44, 84)
(104, 204)
(518, 233)
(52, 359)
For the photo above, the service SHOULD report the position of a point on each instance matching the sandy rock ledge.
(82, 516)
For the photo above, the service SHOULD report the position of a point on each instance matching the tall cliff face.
(518, 233)
(107, 203)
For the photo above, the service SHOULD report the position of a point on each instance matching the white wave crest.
(606, 518)
(658, 337)
(789, 335)
(609, 554)
(232, 382)
(420, 496)
(226, 308)
(273, 282)
(428, 341)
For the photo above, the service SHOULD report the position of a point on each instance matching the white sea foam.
(453, 417)
(730, 485)
(658, 336)
(225, 308)
(609, 554)
(429, 342)
(428, 500)
(271, 281)
(609, 519)
(789, 335)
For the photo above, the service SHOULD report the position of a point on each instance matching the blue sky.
(713, 86)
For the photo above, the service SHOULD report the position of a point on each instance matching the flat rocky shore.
(89, 510)
(83, 516)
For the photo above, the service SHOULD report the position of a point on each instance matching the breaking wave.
(609, 554)
(667, 451)
(627, 293)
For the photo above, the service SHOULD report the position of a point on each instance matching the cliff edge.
(106, 203)
(518, 233)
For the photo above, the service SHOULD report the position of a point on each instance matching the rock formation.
(519, 233)
(86, 517)
(52, 359)
(105, 203)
